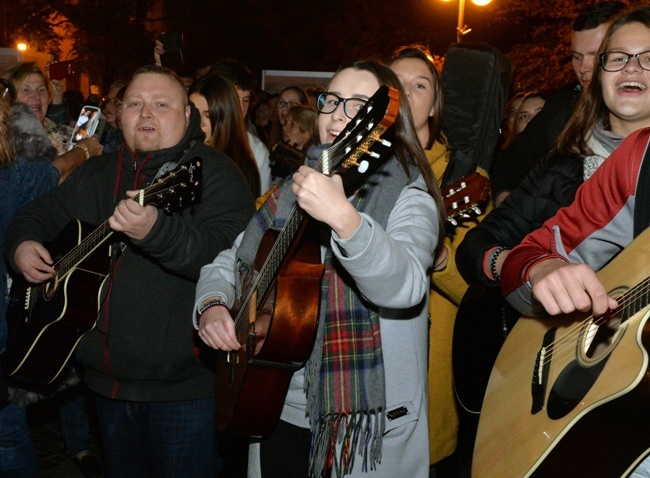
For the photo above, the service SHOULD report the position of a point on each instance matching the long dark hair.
(591, 108)
(420, 52)
(407, 145)
(228, 131)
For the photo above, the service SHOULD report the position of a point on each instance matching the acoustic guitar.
(570, 395)
(46, 321)
(277, 317)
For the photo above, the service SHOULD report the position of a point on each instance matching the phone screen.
(86, 124)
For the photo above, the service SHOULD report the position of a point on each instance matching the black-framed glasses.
(287, 104)
(616, 60)
(328, 102)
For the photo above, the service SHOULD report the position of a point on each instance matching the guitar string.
(628, 298)
(574, 332)
(241, 322)
(67, 262)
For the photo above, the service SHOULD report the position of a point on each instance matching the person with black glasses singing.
(359, 405)
(615, 104)
(552, 271)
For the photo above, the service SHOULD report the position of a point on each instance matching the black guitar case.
(475, 83)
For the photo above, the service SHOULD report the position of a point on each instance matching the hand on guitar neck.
(131, 218)
(324, 199)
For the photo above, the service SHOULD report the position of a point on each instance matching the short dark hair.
(595, 15)
(235, 71)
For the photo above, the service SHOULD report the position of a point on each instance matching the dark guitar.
(483, 321)
(570, 395)
(277, 318)
(46, 321)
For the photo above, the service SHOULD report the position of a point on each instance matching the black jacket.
(548, 187)
(144, 347)
(511, 166)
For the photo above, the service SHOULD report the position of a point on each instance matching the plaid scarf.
(344, 377)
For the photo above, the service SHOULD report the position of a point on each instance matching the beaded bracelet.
(493, 262)
(84, 148)
(209, 304)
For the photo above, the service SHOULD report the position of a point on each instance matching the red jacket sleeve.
(596, 226)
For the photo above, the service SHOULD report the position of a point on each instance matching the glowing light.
(22, 46)
(480, 3)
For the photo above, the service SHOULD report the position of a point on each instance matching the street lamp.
(462, 29)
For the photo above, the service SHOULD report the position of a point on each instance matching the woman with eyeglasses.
(29, 168)
(358, 407)
(554, 266)
(289, 96)
(615, 104)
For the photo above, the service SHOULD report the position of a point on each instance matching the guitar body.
(252, 383)
(482, 323)
(43, 335)
(570, 396)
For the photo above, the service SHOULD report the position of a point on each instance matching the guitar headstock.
(359, 149)
(175, 190)
(466, 197)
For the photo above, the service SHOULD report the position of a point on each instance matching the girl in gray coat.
(360, 403)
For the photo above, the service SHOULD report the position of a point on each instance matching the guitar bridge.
(540, 372)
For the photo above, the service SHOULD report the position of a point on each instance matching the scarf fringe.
(347, 431)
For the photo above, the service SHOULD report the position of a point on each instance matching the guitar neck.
(268, 272)
(82, 250)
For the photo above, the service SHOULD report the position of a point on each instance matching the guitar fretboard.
(78, 253)
(280, 248)
(635, 299)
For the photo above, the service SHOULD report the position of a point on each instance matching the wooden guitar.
(47, 321)
(277, 317)
(465, 198)
(570, 395)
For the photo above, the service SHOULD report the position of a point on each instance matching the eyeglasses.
(616, 60)
(287, 104)
(328, 102)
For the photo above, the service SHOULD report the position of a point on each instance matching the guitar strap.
(642, 201)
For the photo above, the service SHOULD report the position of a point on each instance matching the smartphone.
(62, 69)
(87, 124)
(171, 41)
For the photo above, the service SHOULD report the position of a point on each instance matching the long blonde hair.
(7, 147)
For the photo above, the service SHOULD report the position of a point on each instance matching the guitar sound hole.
(50, 287)
(600, 335)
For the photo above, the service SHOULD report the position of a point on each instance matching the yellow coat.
(447, 290)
